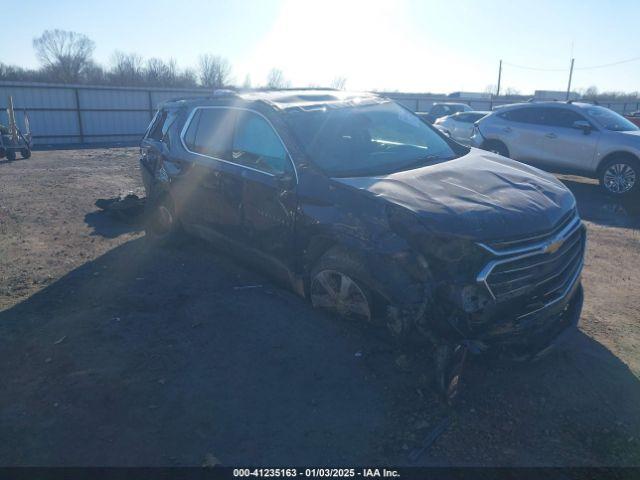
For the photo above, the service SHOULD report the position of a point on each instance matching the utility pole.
(499, 78)
(570, 75)
(498, 88)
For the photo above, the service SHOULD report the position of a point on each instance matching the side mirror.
(583, 125)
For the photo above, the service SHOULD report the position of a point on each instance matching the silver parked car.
(459, 126)
(566, 137)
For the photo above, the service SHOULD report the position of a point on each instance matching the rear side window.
(257, 145)
(210, 132)
(467, 117)
(160, 126)
(155, 130)
(525, 115)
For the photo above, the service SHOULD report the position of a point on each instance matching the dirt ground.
(113, 352)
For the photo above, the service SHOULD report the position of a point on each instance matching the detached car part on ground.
(370, 213)
(567, 137)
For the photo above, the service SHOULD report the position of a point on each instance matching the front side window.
(257, 145)
(367, 140)
(561, 117)
(211, 132)
(610, 120)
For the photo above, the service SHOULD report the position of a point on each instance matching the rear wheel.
(498, 147)
(620, 175)
(161, 223)
(25, 153)
(11, 155)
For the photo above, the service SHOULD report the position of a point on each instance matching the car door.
(568, 148)
(269, 192)
(214, 191)
(522, 131)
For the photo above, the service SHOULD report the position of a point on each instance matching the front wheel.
(619, 176)
(25, 153)
(336, 286)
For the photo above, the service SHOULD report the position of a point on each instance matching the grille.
(526, 241)
(543, 268)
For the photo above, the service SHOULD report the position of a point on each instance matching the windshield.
(610, 120)
(367, 140)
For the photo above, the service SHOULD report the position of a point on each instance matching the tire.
(25, 153)
(11, 155)
(620, 176)
(161, 223)
(496, 146)
(336, 285)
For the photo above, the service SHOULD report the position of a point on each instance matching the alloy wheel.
(337, 292)
(619, 178)
(163, 219)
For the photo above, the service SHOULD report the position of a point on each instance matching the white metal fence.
(84, 114)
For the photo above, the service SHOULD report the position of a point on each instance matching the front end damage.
(516, 298)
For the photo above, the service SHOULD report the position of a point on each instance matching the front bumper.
(536, 334)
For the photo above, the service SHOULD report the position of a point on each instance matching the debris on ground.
(210, 461)
(128, 209)
(431, 437)
(246, 287)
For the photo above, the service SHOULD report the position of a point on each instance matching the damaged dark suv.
(367, 211)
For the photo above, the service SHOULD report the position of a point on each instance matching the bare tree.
(95, 74)
(591, 93)
(275, 79)
(156, 72)
(187, 78)
(339, 83)
(511, 91)
(215, 71)
(490, 89)
(64, 54)
(247, 82)
(126, 68)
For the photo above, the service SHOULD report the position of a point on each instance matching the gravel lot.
(116, 353)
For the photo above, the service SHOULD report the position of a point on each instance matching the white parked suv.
(566, 137)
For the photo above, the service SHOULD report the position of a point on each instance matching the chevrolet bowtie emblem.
(554, 246)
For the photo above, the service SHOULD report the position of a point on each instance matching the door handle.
(551, 135)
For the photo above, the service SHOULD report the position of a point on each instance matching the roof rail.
(288, 89)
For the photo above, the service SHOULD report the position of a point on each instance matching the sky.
(404, 45)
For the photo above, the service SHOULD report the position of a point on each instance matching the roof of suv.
(286, 99)
(549, 103)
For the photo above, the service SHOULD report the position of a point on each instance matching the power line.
(609, 64)
(525, 67)
(591, 67)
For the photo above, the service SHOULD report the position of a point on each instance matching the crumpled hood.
(481, 196)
